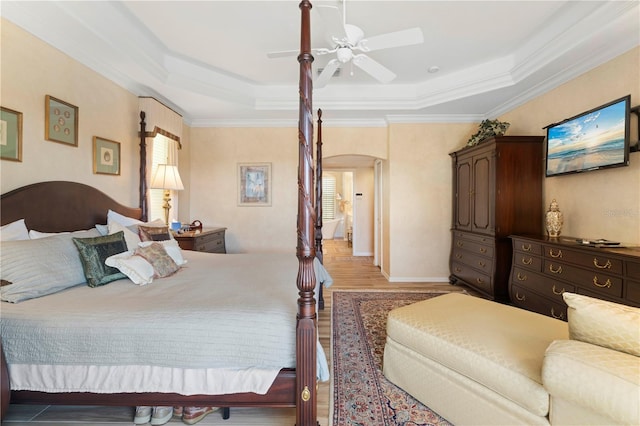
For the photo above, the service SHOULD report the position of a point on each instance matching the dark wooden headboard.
(58, 206)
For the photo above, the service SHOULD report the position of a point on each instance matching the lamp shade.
(166, 176)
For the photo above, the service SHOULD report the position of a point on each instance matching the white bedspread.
(218, 318)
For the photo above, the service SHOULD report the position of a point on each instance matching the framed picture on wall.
(60, 121)
(254, 184)
(10, 134)
(106, 156)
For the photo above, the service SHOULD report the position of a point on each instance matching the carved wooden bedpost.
(319, 253)
(306, 337)
(143, 166)
(319, 189)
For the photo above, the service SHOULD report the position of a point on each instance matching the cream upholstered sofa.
(479, 362)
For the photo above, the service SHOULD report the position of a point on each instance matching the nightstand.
(210, 240)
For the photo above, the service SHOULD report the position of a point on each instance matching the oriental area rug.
(361, 395)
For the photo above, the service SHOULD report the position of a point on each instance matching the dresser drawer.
(528, 261)
(540, 284)
(633, 292)
(595, 261)
(207, 240)
(529, 300)
(474, 237)
(527, 247)
(474, 247)
(584, 278)
(633, 270)
(475, 261)
(472, 277)
(212, 243)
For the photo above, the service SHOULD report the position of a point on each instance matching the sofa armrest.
(604, 380)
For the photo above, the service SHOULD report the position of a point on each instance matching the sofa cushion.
(603, 380)
(607, 324)
(498, 346)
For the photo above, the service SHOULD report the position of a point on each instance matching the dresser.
(497, 191)
(543, 268)
(210, 240)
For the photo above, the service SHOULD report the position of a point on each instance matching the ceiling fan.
(346, 40)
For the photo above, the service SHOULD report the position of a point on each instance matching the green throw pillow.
(93, 253)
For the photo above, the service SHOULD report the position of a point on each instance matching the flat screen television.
(593, 140)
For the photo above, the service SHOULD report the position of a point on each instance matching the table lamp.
(166, 177)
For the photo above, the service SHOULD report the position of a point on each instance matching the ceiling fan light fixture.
(344, 54)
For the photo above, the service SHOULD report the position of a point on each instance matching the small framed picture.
(61, 121)
(254, 184)
(10, 134)
(106, 156)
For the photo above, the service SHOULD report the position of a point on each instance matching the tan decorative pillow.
(153, 233)
(157, 256)
(607, 324)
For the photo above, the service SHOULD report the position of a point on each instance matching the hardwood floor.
(347, 271)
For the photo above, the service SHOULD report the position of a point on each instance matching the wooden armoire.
(497, 191)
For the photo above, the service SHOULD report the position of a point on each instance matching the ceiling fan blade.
(374, 68)
(333, 21)
(396, 39)
(283, 54)
(286, 53)
(326, 73)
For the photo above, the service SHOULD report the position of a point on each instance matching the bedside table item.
(209, 240)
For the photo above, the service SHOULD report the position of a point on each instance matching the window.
(328, 197)
(160, 156)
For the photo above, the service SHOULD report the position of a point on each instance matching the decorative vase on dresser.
(497, 191)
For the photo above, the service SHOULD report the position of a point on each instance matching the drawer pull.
(459, 243)
(482, 264)
(479, 280)
(521, 277)
(605, 266)
(458, 256)
(557, 255)
(483, 250)
(520, 298)
(527, 261)
(553, 289)
(555, 271)
(526, 247)
(559, 316)
(607, 284)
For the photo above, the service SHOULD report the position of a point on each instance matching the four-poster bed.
(67, 206)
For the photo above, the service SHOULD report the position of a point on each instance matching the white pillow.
(39, 267)
(121, 219)
(131, 235)
(34, 235)
(135, 267)
(102, 229)
(14, 231)
(131, 238)
(171, 247)
(607, 324)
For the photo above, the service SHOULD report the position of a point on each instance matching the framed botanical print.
(106, 156)
(254, 184)
(61, 121)
(10, 134)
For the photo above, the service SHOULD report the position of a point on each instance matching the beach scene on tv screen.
(593, 140)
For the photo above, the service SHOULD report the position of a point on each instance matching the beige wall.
(215, 155)
(31, 69)
(597, 204)
(418, 204)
